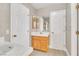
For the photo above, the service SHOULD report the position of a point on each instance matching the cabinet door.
(40, 43)
(44, 44)
(35, 43)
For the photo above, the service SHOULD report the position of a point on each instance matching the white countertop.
(40, 34)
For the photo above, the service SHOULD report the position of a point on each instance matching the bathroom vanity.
(40, 33)
(40, 41)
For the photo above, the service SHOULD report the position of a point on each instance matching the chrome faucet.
(40, 32)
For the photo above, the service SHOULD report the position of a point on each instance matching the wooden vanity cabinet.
(40, 43)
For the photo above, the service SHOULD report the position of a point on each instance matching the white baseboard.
(56, 48)
(29, 51)
(65, 49)
(67, 52)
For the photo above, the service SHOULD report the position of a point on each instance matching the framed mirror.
(40, 24)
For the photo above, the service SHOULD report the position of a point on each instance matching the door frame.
(73, 29)
(77, 33)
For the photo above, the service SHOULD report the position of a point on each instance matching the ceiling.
(44, 5)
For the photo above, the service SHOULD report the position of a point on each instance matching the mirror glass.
(40, 24)
(46, 24)
(35, 23)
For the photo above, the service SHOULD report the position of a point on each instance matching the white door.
(20, 24)
(57, 28)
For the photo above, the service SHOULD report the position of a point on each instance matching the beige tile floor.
(51, 52)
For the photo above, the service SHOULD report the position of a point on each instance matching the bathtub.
(5, 47)
(8, 49)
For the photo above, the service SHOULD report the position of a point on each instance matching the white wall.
(5, 20)
(46, 11)
(32, 10)
(31, 13)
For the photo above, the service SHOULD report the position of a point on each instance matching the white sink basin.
(40, 33)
